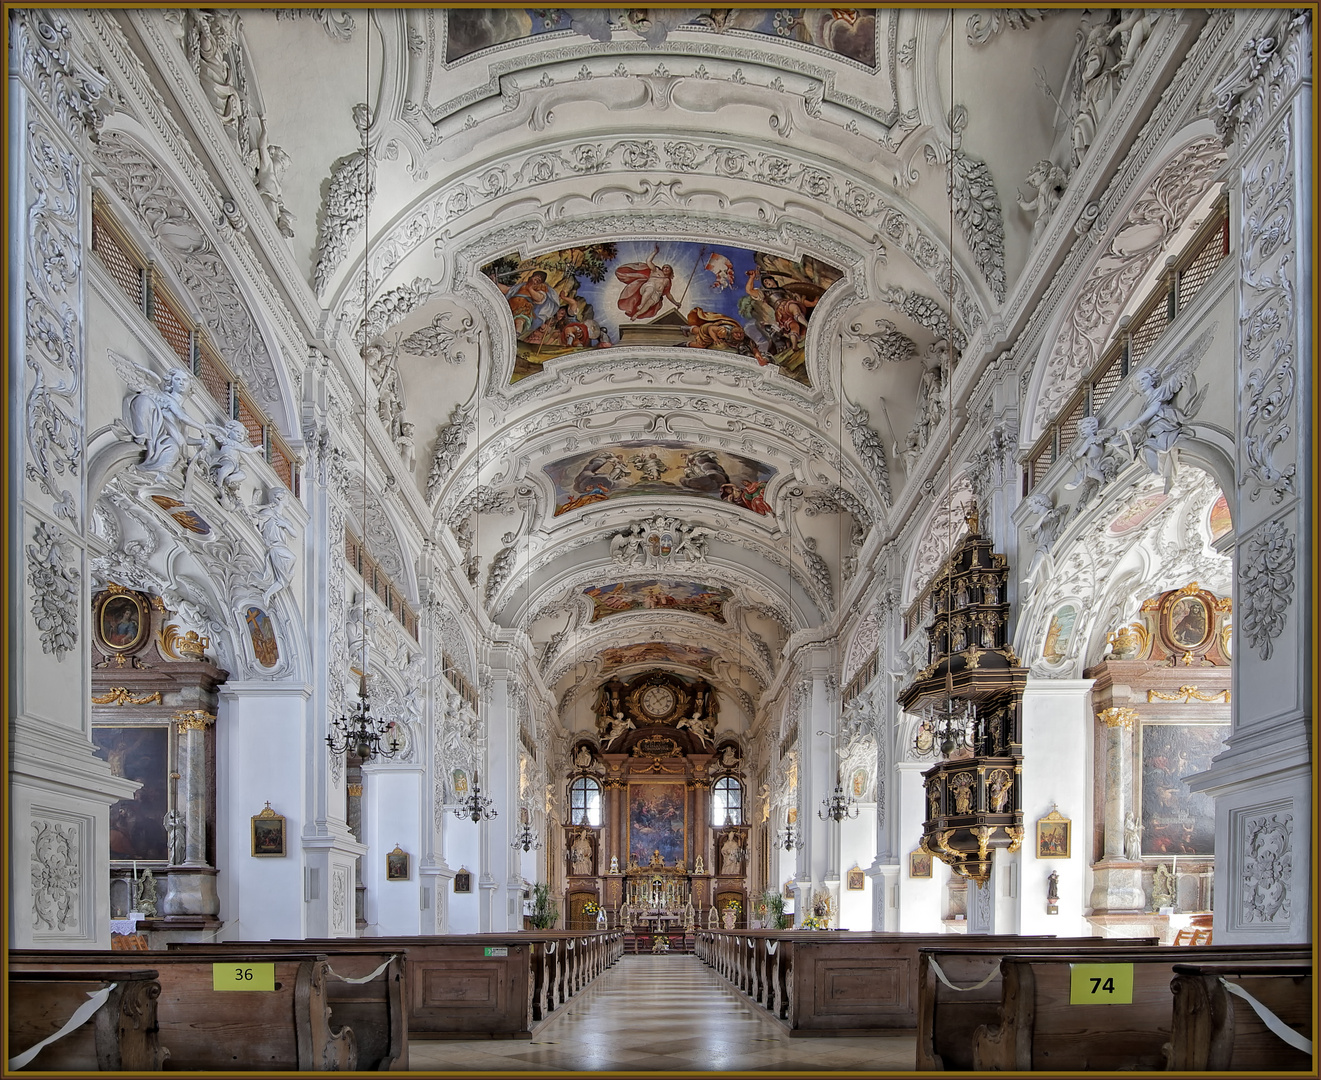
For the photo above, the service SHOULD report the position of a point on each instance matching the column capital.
(1118, 716)
(194, 719)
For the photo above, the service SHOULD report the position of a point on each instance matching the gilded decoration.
(177, 646)
(194, 719)
(1189, 693)
(121, 695)
(1118, 716)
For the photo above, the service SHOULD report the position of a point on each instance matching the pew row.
(948, 1019)
(287, 1028)
(1038, 1029)
(476, 986)
(1213, 1028)
(837, 982)
(122, 1035)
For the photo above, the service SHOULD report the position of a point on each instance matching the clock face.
(657, 701)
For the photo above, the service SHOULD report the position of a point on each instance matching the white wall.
(857, 841)
(921, 900)
(391, 810)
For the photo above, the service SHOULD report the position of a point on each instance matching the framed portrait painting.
(857, 879)
(268, 834)
(1053, 836)
(122, 621)
(396, 864)
(919, 864)
(463, 881)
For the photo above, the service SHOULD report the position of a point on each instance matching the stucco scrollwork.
(1266, 586)
(54, 577)
(1267, 868)
(349, 195)
(439, 338)
(76, 94)
(56, 875)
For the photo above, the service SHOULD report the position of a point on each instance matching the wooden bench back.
(947, 1019)
(122, 1034)
(1216, 1030)
(210, 1030)
(1037, 1027)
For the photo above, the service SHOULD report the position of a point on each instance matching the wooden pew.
(1037, 1028)
(947, 1020)
(224, 1031)
(122, 1035)
(1214, 1029)
(375, 1011)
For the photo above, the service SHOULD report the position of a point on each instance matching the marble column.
(191, 887)
(1117, 879)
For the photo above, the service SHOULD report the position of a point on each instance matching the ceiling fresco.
(691, 596)
(848, 32)
(659, 468)
(658, 652)
(674, 294)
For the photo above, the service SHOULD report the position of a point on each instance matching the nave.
(664, 1014)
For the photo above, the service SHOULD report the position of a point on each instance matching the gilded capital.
(355, 791)
(1118, 716)
(194, 719)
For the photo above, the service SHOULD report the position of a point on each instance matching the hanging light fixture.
(949, 723)
(788, 838)
(839, 806)
(360, 733)
(524, 837)
(476, 806)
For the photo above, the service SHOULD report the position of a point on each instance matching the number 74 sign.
(1100, 984)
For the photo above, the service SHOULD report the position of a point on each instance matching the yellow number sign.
(1100, 984)
(242, 976)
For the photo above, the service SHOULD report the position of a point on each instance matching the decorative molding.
(1189, 693)
(867, 442)
(55, 579)
(1266, 846)
(56, 875)
(1269, 68)
(336, 22)
(194, 719)
(1119, 717)
(985, 25)
(1266, 586)
(676, 541)
(391, 307)
(77, 96)
(349, 195)
(976, 203)
(924, 311)
(886, 344)
(122, 695)
(439, 338)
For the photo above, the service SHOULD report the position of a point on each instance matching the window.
(727, 802)
(584, 802)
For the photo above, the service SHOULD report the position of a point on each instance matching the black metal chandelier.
(524, 837)
(839, 806)
(359, 733)
(476, 806)
(789, 838)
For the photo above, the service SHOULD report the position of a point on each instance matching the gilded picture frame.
(1054, 836)
(268, 834)
(857, 880)
(397, 864)
(919, 864)
(123, 620)
(1188, 622)
(463, 881)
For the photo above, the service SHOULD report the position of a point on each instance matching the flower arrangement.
(810, 922)
(591, 907)
(734, 906)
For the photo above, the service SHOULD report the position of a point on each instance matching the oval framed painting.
(122, 621)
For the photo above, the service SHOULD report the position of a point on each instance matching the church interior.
(449, 548)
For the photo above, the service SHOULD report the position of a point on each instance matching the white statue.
(731, 854)
(907, 454)
(1044, 531)
(1049, 181)
(403, 442)
(729, 757)
(1088, 450)
(175, 833)
(1096, 84)
(1161, 422)
(275, 530)
(269, 164)
(215, 36)
(1133, 30)
(156, 417)
(581, 855)
(224, 458)
(1132, 837)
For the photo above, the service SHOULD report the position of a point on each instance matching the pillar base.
(1117, 888)
(190, 891)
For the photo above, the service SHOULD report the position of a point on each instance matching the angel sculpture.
(1133, 30)
(1095, 458)
(692, 543)
(1044, 531)
(1049, 181)
(275, 527)
(155, 414)
(1161, 423)
(225, 457)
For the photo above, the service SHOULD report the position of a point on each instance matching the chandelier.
(360, 733)
(839, 806)
(476, 806)
(948, 724)
(789, 838)
(524, 837)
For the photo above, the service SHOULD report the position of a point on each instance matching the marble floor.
(664, 1014)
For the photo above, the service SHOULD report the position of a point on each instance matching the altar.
(658, 898)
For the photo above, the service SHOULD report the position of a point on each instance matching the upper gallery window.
(584, 802)
(727, 802)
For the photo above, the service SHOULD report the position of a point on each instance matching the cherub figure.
(225, 458)
(1161, 423)
(1049, 181)
(1044, 531)
(1133, 30)
(155, 414)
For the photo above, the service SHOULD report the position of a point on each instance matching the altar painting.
(1176, 821)
(670, 294)
(691, 596)
(847, 32)
(137, 829)
(657, 821)
(659, 468)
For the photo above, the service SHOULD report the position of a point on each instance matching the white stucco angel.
(275, 530)
(1088, 452)
(1048, 180)
(1162, 424)
(1045, 529)
(269, 164)
(1133, 30)
(155, 414)
(691, 543)
(224, 458)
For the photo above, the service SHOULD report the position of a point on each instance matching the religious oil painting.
(690, 596)
(671, 294)
(396, 864)
(856, 880)
(1059, 633)
(1218, 518)
(1175, 820)
(463, 881)
(1137, 513)
(659, 468)
(264, 646)
(137, 829)
(659, 652)
(1053, 836)
(845, 32)
(122, 621)
(1188, 622)
(919, 864)
(268, 839)
(657, 819)
(183, 517)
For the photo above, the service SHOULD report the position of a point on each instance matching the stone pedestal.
(189, 891)
(1117, 888)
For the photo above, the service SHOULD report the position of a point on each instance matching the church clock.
(657, 701)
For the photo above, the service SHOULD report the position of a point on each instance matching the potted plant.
(772, 903)
(545, 911)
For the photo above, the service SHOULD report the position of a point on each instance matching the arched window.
(584, 802)
(726, 802)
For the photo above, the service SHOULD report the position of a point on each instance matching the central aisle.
(664, 1013)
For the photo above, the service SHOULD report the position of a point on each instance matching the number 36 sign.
(1100, 984)
(242, 976)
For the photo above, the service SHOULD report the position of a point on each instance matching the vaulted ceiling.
(486, 203)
